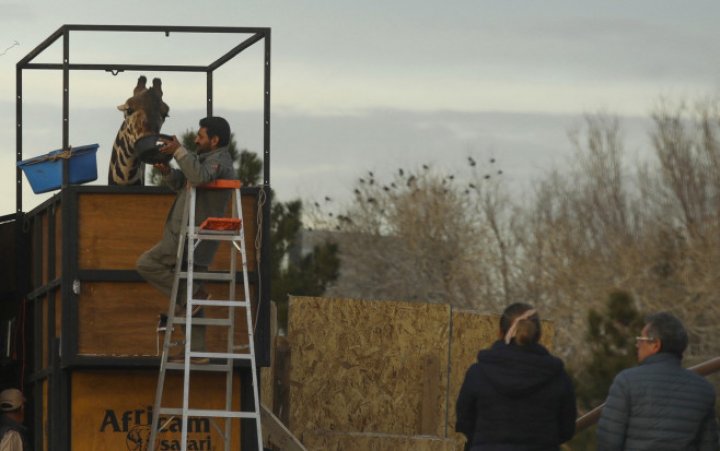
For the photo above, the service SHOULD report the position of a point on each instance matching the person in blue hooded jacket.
(516, 397)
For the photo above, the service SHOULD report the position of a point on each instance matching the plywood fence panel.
(358, 365)
(358, 441)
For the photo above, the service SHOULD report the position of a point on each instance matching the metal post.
(18, 138)
(66, 107)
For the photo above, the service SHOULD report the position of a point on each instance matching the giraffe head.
(145, 111)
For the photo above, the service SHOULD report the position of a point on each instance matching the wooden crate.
(85, 290)
(89, 310)
(112, 410)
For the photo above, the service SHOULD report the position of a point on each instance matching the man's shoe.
(162, 323)
(179, 312)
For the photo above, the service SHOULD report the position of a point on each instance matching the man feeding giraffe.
(145, 113)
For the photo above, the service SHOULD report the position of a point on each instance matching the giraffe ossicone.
(144, 114)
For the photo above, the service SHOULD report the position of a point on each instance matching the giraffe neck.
(125, 169)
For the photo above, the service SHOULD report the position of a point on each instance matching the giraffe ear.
(157, 86)
(141, 85)
(123, 107)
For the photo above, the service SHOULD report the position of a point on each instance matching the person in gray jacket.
(212, 161)
(659, 405)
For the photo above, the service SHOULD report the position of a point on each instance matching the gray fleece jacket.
(196, 169)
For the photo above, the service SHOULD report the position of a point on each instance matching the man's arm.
(612, 427)
(708, 433)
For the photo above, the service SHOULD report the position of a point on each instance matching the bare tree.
(426, 235)
(652, 230)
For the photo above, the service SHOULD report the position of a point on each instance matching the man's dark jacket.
(659, 406)
(516, 398)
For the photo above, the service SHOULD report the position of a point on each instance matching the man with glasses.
(659, 405)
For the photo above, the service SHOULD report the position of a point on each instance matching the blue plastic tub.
(45, 172)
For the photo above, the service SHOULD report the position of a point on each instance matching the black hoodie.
(516, 398)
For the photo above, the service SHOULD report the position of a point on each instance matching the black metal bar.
(263, 338)
(66, 108)
(52, 249)
(38, 412)
(69, 271)
(266, 122)
(18, 138)
(209, 93)
(40, 48)
(165, 28)
(248, 431)
(54, 358)
(119, 67)
(39, 375)
(235, 51)
(43, 290)
(36, 281)
(23, 283)
(60, 383)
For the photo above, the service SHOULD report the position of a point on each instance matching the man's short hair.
(217, 126)
(669, 330)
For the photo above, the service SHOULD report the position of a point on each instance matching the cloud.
(317, 155)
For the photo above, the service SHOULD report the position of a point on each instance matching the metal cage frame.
(63, 352)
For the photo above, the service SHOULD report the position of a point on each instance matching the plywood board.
(358, 441)
(120, 319)
(112, 410)
(358, 365)
(116, 228)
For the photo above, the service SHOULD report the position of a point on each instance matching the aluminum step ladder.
(213, 229)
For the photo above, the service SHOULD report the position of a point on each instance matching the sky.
(363, 86)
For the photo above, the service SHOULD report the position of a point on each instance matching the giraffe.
(144, 114)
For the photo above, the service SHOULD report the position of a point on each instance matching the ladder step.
(222, 355)
(205, 321)
(204, 367)
(218, 303)
(209, 413)
(219, 236)
(222, 276)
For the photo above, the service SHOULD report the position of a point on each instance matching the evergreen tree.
(611, 335)
(307, 275)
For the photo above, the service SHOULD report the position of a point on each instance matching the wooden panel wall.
(120, 319)
(111, 410)
(361, 365)
(115, 229)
